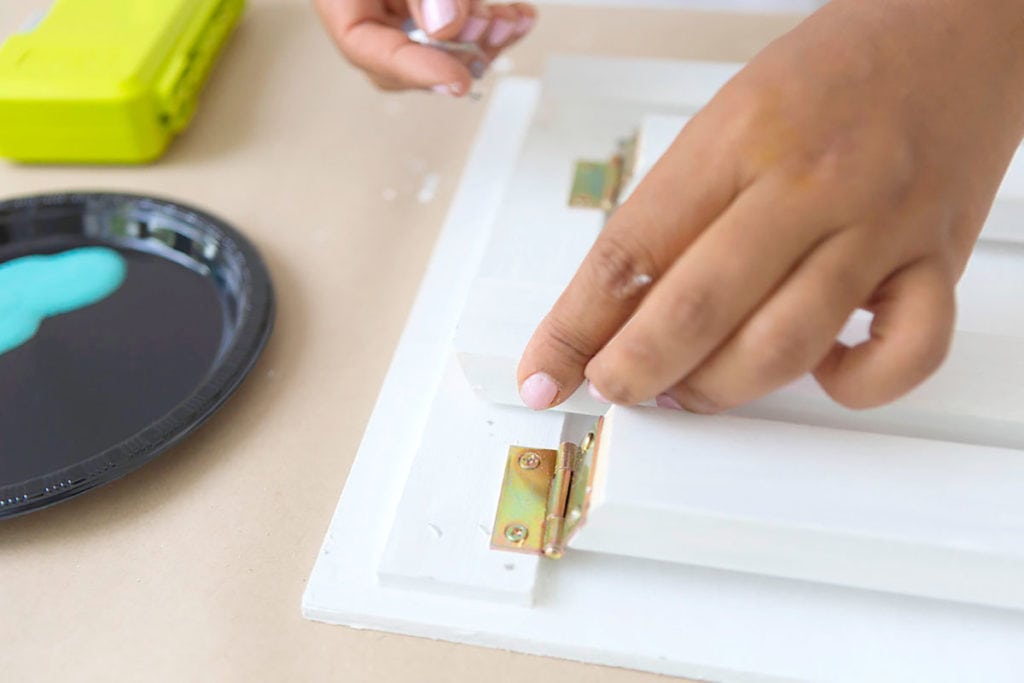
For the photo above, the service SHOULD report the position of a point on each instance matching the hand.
(850, 165)
(369, 34)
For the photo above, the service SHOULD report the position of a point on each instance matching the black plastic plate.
(104, 389)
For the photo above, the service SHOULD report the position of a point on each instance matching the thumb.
(441, 19)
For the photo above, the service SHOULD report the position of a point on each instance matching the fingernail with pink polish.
(451, 89)
(501, 31)
(595, 394)
(524, 25)
(538, 391)
(666, 401)
(472, 29)
(437, 14)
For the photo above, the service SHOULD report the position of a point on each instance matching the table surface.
(193, 567)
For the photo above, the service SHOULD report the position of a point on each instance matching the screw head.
(529, 460)
(516, 533)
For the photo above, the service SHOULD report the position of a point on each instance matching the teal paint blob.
(33, 288)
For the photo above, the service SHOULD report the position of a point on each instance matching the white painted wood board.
(910, 516)
(701, 623)
(440, 539)
(977, 397)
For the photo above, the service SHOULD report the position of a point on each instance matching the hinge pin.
(558, 499)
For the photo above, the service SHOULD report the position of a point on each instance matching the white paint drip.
(429, 188)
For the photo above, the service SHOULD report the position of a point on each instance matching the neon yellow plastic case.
(108, 81)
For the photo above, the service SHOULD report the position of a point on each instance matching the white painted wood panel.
(673, 619)
(440, 539)
(977, 397)
(909, 516)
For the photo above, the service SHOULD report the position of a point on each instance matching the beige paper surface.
(192, 568)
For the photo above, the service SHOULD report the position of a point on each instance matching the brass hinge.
(544, 496)
(598, 184)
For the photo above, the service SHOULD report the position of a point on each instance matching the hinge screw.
(516, 533)
(587, 442)
(529, 460)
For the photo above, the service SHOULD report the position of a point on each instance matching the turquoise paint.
(33, 288)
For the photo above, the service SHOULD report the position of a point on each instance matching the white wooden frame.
(407, 548)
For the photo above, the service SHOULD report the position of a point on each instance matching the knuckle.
(625, 363)
(568, 342)
(848, 275)
(691, 310)
(621, 269)
(782, 350)
(852, 171)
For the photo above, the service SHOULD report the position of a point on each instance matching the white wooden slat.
(909, 516)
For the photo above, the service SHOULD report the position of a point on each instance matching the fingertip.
(473, 29)
(667, 402)
(834, 377)
(538, 391)
(692, 400)
(457, 88)
(504, 19)
(596, 394)
(527, 19)
(441, 19)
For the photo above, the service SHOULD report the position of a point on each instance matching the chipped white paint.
(428, 189)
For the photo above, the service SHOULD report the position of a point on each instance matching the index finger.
(685, 190)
